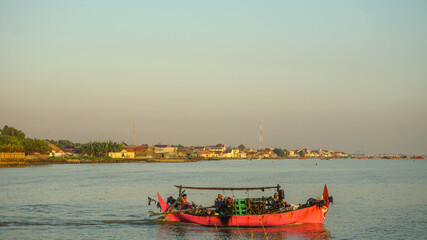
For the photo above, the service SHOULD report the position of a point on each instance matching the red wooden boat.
(313, 212)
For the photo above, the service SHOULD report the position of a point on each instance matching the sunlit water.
(373, 199)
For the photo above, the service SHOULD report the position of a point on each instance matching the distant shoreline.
(19, 163)
(16, 163)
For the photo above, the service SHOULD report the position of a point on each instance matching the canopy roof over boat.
(228, 188)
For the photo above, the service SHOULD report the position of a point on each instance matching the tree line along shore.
(17, 150)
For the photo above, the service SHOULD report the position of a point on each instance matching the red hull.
(313, 214)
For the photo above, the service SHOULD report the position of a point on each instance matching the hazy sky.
(343, 75)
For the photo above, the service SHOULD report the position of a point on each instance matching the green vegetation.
(32, 146)
(64, 144)
(10, 144)
(241, 147)
(286, 152)
(301, 153)
(99, 149)
(279, 152)
(11, 131)
(13, 140)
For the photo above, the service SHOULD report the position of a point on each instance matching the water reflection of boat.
(177, 230)
(300, 231)
(250, 212)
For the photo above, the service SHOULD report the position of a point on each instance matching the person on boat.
(219, 201)
(219, 204)
(184, 204)
(277, 203)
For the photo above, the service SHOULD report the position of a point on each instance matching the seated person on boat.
(184, 204)
(277, 202)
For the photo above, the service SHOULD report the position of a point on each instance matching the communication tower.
(260, 136)
(133, 143)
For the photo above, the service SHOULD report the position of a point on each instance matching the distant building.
(70, 152)
(217, 148)
(165, 151)
(182, 154)
(162, 146)
(293, 154)
(207, 154)
(251, 150)
(55, 151)
(144, 152)
(233, 153)
(229, 153)
(122, 154)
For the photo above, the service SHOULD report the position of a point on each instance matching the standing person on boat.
(219, 201)
(219, 204)
(184, 204)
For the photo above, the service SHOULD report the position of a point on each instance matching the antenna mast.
(133, 133)
(260, 135)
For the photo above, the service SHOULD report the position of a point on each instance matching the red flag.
(325, 192)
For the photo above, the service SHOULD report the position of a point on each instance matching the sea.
(373, 198)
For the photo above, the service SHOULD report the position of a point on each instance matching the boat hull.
(313, 214)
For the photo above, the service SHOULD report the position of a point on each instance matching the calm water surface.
(373, 199)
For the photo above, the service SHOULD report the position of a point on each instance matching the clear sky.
(343, 75)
